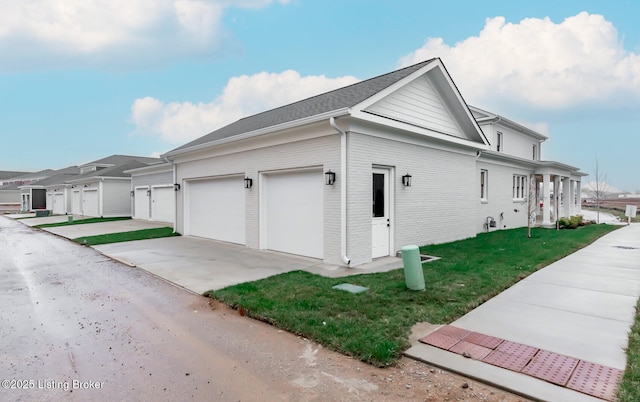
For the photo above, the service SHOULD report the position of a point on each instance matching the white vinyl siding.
(419, 104)
(116, 198)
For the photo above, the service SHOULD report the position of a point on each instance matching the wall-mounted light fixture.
(176, 187)
(133, 193)
(149, 193)
(329, 178)
(248, 182)
(86, 185)
(406, 180)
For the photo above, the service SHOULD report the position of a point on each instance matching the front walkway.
(582, 307)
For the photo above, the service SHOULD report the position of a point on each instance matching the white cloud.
(539, 63)
(178, 122)
(53, 33)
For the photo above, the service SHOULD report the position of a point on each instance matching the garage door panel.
(141, 201)
(162, 204)
(76, 203)
(294, 213)
(58, 204)
(90, 202)
(217, 209)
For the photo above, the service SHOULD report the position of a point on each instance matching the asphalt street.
(76, 325)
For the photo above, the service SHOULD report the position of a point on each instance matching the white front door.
(381, 221)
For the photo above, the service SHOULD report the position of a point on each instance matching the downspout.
(343, 191)
(175, 194)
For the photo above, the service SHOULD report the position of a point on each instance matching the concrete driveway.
(201, 264)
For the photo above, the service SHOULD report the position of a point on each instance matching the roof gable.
(342, 98)
(427, 99)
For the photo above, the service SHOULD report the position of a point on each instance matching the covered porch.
(558, 192)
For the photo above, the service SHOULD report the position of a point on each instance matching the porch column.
(579, 198)
(557, 210)
(546, 200)
(566, 197)
(572, 198)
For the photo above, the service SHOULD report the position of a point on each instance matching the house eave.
(262, 131)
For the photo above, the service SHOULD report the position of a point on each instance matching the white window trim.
(484, 185)
(519, 187)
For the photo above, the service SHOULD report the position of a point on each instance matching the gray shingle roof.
(113, 171)
(122, 159)
(341, 98)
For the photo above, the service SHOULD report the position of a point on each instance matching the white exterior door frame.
(382, 221)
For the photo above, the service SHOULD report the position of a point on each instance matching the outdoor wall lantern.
(406, 180)
(329, 178)
(248, 182)
(132, 193)
(149, 193)
(176, 187)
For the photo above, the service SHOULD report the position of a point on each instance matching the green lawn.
(629, 388)
(81, 222)
(126, 236)
(374, 326)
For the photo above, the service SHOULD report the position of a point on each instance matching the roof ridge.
(362, 82)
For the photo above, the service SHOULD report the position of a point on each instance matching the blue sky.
(82, 81)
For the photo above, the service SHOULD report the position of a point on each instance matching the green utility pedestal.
(413, 267)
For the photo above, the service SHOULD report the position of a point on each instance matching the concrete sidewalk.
(582, 306)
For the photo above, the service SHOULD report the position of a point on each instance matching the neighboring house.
(36, 192)
(103, 189)
(9, 192)
(153, 192)
(59, 195)
(397, 153)
(32, 198)
(509, 167)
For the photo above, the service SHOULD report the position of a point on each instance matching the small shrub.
(572, 222)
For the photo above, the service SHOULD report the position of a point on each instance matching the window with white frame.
(519, 186)
(499, 147)
(484, 176)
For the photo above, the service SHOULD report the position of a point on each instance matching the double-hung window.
(484, 177)
(519, 186)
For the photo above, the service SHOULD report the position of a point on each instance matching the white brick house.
(266, 181)
(513, 166)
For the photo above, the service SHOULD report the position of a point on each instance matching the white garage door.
(293, 213)
(162, 204)
(216, 209)
(141, 204)
(58, 204)
(90, 202)
(76, 203)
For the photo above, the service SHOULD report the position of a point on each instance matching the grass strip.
(374, 326)
(143, 234)
(629, 387)
(81, 222)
